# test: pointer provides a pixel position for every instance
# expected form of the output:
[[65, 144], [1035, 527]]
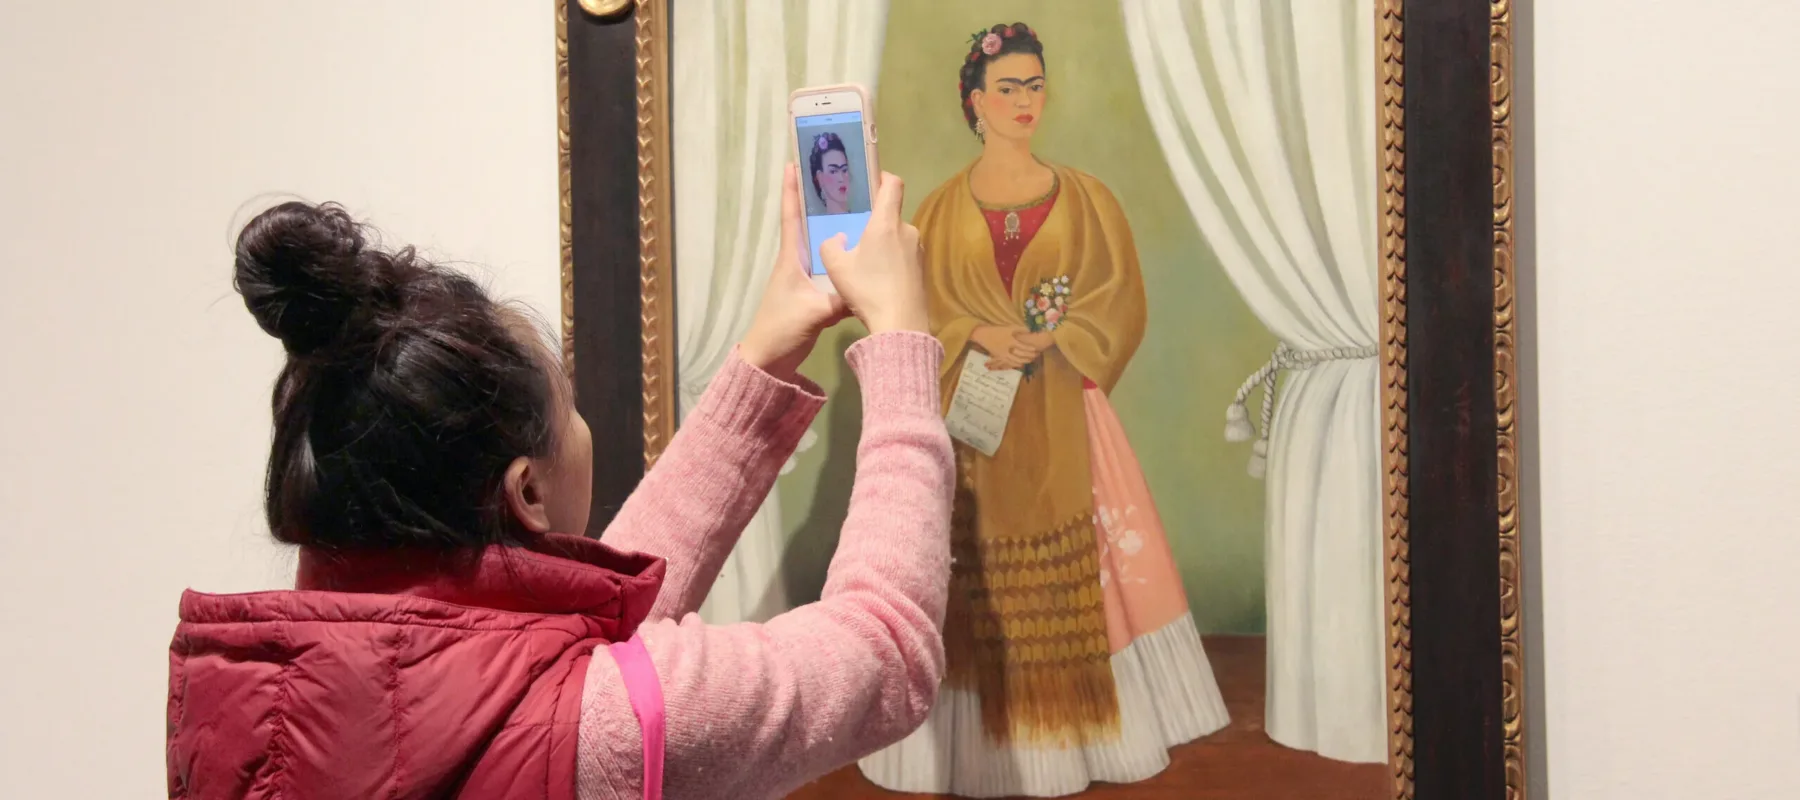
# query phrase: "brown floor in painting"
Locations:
[[1238, 763]]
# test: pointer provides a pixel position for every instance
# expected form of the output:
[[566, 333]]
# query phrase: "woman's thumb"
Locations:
[[832, 251]]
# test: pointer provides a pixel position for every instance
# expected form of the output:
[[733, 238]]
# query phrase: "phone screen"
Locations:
[[834, 179]]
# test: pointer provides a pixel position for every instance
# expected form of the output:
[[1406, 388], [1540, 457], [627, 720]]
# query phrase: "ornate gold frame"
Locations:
[[565, 200], [1390, 97], [565, 204], [1506, 395], [656, 283], [657, 302], [656, 277]]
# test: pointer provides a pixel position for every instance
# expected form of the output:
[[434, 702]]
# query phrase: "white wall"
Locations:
[[1669, 373], [133, 385], [133, 414]]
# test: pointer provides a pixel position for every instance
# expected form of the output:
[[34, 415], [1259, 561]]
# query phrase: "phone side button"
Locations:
[[872, 137]]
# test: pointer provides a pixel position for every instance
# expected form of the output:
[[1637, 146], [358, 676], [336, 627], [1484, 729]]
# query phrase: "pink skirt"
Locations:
[[1137, 570]]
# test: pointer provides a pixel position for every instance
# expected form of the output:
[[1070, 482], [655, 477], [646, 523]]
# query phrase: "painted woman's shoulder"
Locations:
[[939, 196], [1088, 184]]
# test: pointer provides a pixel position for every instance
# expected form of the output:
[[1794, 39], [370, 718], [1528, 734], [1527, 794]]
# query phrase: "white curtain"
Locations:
[[1265, 111], [732, 72]]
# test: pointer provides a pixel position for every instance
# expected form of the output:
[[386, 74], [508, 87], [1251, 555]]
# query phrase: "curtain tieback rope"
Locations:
[[1237, 416]]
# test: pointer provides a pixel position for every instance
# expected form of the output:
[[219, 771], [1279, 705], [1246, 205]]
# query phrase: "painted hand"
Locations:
[[1030, 346], [1002, 346]]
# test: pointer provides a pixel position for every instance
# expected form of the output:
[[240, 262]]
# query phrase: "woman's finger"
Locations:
[[791, 217], [832, 251], [888, 199]]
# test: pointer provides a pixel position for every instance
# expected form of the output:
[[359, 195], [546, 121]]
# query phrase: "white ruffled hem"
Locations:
[[1167, 696]]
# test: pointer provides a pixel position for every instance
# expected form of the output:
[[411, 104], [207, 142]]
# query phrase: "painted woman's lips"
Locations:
[[1024, 119]]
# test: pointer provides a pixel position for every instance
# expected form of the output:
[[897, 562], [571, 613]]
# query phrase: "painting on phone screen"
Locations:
[[834, 179], [1156, 222]]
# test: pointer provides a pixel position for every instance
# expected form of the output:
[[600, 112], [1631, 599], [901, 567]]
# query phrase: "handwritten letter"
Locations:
[[983, 401]]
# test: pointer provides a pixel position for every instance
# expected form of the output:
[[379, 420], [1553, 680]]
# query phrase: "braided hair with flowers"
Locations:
[[822, 144], [985, 47]]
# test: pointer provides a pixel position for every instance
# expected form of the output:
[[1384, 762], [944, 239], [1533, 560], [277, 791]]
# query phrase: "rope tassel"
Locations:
[[1237, 424], [1237, 415]]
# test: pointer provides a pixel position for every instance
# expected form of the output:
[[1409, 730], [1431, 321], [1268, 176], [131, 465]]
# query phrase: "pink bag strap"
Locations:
[[645, 691]]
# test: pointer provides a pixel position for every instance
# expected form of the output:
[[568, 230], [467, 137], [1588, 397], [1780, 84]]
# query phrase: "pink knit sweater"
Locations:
[[756, 711]]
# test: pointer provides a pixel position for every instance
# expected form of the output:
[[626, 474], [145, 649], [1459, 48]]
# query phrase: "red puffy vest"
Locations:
[[400, 674]]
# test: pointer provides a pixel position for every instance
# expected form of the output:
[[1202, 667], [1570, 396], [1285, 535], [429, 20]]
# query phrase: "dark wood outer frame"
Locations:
[[1455, 662]]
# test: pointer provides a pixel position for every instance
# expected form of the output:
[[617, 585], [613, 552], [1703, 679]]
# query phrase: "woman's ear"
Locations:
[[524, 497], [975, 96]]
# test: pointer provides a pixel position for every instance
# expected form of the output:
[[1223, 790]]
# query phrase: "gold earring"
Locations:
[[981, 129]]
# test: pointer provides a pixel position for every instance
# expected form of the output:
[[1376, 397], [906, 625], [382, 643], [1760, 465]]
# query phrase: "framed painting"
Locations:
[[1255, 506]]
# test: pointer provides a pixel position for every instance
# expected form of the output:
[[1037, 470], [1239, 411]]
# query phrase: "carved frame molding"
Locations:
[[1512, 655]]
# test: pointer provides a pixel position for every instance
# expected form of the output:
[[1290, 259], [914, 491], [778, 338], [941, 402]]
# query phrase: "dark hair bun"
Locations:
[[307, 274], [407, 393]]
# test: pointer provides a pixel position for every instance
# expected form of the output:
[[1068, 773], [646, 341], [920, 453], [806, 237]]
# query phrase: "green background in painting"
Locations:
[[1202, 340]]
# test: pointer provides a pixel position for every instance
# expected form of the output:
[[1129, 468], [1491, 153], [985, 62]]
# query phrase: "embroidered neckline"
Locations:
[[1055, 184]]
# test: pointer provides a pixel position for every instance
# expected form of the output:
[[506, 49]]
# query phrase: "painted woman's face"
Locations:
[[834, 179], [1012, 101]]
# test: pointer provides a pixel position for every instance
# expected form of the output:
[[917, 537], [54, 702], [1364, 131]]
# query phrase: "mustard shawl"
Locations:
[[1026, 626]]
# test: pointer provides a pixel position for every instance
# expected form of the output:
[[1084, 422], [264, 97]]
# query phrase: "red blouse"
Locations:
[[1007, 251]]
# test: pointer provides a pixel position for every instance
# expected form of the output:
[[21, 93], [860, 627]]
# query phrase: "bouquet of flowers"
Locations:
[[1045, 307]]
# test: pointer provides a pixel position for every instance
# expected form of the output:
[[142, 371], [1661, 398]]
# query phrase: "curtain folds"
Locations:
[[1265, 112]]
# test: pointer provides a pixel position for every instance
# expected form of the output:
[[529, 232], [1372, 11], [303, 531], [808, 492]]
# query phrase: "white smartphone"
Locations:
[[834, 140]]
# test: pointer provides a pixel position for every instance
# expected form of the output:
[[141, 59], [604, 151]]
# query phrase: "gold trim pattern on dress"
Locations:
[[1025, 627], [656, 277], [1391, 95], [1055, 184], [1512, 658]]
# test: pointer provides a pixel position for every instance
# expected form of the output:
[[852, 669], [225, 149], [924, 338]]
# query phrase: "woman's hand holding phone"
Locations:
[[881, 279], [793, 311]]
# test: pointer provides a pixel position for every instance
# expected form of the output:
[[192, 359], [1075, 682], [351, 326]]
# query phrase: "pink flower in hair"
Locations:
[[990, 44]]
